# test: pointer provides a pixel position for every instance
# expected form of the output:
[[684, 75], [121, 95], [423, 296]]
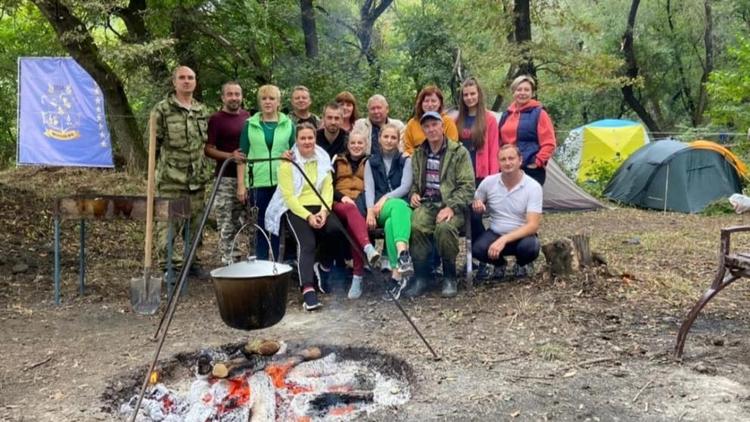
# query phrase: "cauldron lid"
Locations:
[[251, 268]]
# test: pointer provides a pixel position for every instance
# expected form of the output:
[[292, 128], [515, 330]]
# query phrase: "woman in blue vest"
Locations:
[[269, 133], [388, 177], [528, 125]]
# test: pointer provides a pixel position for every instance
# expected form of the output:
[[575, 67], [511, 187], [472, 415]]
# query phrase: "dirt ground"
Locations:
[[592, 347]]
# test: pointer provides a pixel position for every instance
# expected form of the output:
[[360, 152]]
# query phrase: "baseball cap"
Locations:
[[430, 115]]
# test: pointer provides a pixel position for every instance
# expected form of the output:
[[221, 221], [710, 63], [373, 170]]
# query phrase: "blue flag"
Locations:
[[61, 119]]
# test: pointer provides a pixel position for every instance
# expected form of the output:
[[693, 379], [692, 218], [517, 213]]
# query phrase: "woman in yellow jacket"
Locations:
[[430, 98]]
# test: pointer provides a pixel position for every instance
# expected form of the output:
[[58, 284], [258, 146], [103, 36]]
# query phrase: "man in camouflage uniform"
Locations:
[[224, 129], [182, 169]]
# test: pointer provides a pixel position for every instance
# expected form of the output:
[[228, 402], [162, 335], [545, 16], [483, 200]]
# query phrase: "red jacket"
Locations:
[[487, 156], [545, 131]]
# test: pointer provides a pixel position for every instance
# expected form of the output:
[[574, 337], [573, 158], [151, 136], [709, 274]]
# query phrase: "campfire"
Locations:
[[265, 381]]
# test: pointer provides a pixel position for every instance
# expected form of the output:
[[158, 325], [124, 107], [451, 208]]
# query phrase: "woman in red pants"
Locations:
[[349, 205]]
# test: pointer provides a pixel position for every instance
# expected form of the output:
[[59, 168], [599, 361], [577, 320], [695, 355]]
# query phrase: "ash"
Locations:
[[324, 389]]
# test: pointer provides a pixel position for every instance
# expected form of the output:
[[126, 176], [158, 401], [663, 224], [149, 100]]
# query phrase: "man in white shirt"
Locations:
[[513, 201]]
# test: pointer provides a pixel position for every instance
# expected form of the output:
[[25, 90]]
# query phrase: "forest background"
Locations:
[[682, 67]]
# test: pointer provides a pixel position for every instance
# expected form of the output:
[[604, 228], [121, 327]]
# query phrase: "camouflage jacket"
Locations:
[[181, 135]]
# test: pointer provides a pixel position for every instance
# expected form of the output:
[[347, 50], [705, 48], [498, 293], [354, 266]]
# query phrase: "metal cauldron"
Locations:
[[252, 294]]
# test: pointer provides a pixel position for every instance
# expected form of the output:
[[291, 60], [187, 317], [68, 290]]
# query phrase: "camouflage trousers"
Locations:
[[197, 199], [230, 217]]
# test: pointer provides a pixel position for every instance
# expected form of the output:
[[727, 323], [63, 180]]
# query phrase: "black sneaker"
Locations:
[[199, 272], [395, 288], [405, 265], [498, 275], [311, 302], [483, 272], [321, 276], [523, 271]]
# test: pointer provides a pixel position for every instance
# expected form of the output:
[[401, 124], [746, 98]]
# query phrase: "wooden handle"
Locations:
[[150, 188]]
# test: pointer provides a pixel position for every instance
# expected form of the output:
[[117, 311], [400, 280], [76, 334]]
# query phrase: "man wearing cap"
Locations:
[[442, 189]]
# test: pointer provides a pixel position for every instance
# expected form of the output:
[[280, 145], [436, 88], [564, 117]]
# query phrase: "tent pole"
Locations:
[[666, 189]]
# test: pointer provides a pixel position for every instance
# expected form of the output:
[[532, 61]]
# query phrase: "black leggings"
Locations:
[[308, 238]]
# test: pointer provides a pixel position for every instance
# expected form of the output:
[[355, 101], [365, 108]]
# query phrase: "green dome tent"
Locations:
[[671, 175]]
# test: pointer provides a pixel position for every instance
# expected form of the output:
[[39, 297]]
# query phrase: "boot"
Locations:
[[417, 287], [450, 285], [450, 288]]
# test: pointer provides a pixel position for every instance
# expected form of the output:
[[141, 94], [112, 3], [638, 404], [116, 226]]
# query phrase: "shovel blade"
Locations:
[[145, 294]]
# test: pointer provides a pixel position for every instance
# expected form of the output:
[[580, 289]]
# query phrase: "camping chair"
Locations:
[[737, 264]]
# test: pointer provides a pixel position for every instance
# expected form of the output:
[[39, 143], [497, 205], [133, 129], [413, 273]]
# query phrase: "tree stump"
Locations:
[[568, 255]]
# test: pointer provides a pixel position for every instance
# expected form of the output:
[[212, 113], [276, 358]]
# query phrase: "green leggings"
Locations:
[[395, 218]]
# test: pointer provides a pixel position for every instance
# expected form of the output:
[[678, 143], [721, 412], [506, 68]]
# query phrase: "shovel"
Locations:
[[145, 292]]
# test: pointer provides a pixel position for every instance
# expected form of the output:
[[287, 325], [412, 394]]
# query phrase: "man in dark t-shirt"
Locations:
[[224, 129], [331, 137]]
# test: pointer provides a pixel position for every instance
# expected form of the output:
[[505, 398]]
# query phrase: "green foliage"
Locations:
[[599, 174], [718, 207]]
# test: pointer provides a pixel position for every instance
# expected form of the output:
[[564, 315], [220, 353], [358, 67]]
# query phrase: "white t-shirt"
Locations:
[[508, 209]]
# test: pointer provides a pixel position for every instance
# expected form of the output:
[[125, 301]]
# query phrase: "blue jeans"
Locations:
[[525, 250]]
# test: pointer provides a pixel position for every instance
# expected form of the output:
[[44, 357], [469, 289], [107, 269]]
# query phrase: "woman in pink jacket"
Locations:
[[477, 132]]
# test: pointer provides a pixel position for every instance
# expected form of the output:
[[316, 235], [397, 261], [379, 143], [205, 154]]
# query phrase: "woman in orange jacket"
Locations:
[[430, 98]]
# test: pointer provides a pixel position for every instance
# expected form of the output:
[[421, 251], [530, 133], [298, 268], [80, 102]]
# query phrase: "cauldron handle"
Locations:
[[270, 248]]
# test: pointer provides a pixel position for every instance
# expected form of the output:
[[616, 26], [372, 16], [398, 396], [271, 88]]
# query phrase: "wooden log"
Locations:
[[262, 347], [583, 250], [232, 368]]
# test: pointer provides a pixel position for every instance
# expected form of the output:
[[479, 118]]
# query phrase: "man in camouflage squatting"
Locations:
[[224, 128], [182, 169]]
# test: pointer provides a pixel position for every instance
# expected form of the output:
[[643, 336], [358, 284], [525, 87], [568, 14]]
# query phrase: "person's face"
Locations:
[[300, 100], [523, 93], [332, 120], [431, 102], [231, 97], [184, 80], [388, 140], [471, 96], [509, 160], [306, 142], [347, 109], [356, 146], [433, 130], [377, 112], [269, 103]]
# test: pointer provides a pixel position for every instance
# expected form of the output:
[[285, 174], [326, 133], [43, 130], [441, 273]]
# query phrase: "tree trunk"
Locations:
[[138, 33], [73, 35], [184, 33], [708, 65], [308, 28], [631, 71], [687, 95], [368, 14], [522, 37]]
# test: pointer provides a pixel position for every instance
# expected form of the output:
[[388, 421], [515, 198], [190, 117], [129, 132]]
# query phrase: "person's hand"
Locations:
[[347, 200], [496, 248], [322, 217], [478, 206], [238, 156], [242, 194], [444, 215], [312, 220], [287, 155], [372, 221], [379, 205], [415, 200]]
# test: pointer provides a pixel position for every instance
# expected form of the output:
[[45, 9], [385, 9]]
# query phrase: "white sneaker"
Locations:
[[355, 291]]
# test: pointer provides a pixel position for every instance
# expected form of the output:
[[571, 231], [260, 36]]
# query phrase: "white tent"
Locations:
[[562, 194]]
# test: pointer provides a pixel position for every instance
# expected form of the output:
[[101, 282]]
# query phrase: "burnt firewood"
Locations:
[[261, 347], [232, 368]]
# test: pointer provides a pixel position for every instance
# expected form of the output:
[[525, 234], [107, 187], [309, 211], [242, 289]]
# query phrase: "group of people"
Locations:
[[418, 181]]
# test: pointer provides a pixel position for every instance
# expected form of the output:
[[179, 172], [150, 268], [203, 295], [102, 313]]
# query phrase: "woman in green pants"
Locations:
[[388, 178]]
